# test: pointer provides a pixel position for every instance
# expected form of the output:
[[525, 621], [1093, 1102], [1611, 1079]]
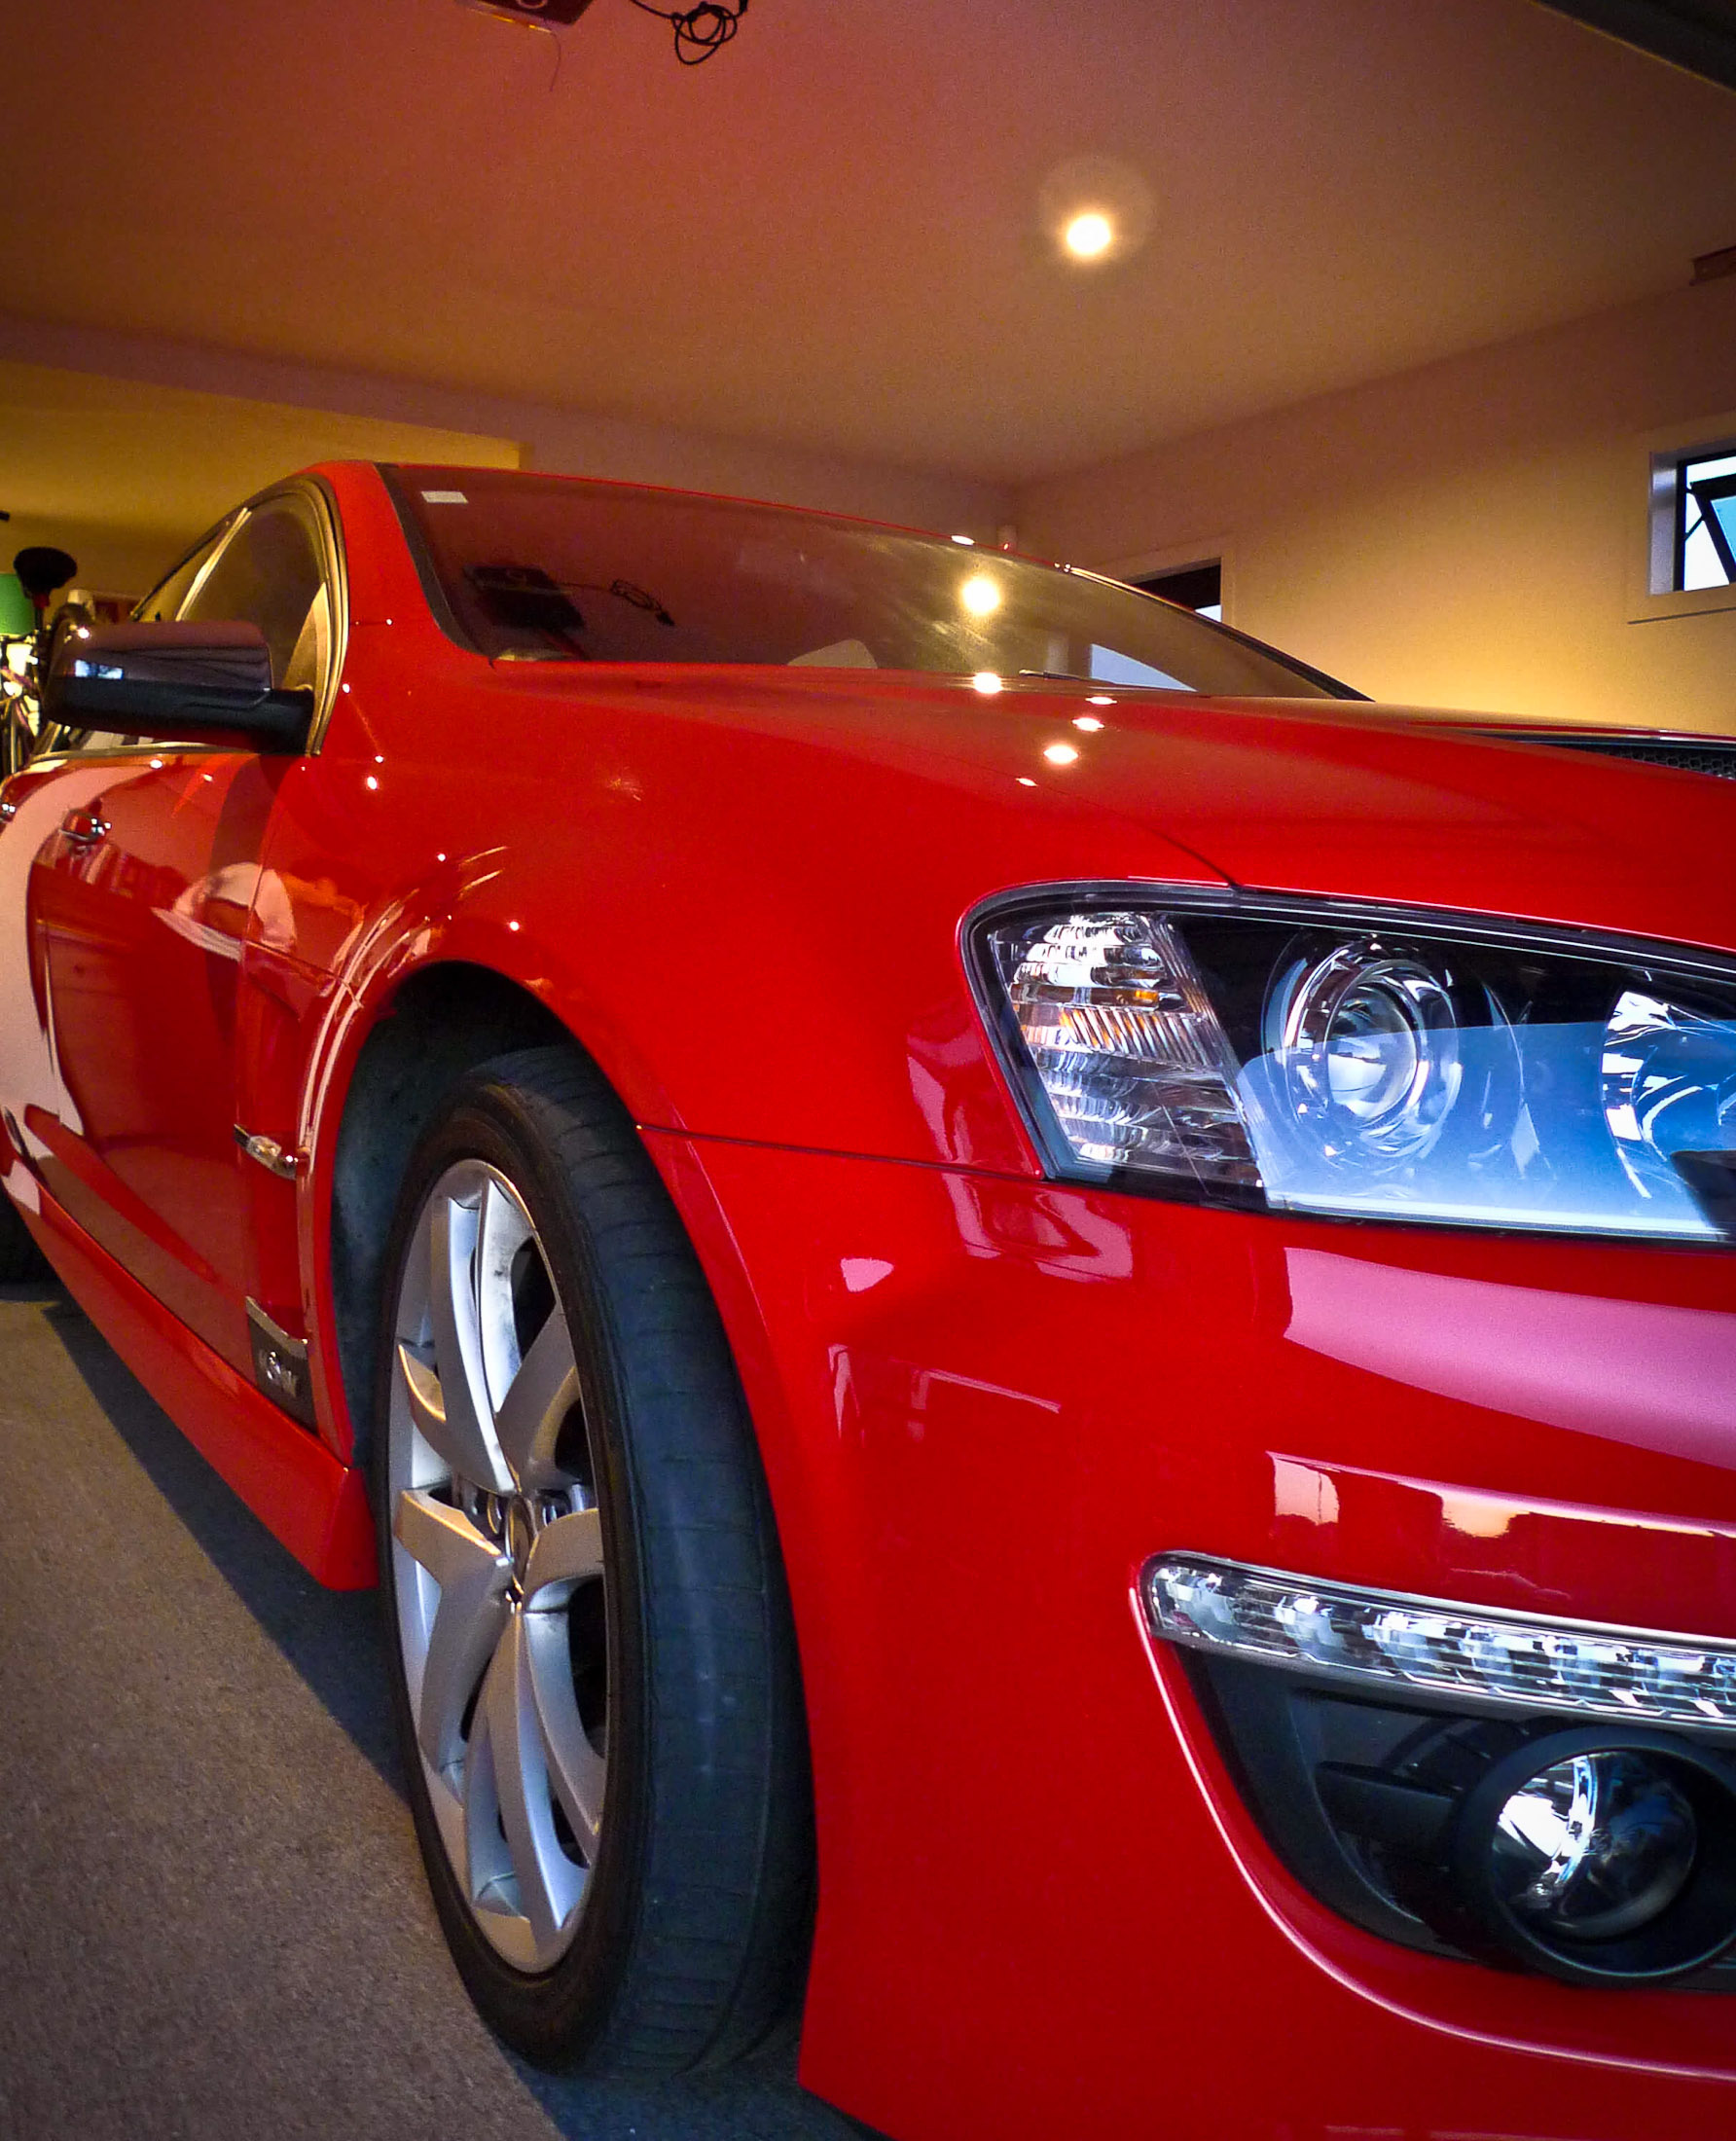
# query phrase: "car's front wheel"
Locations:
[[593, 1663]]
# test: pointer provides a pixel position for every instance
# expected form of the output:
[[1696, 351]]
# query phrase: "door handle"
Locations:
[[84, 828]]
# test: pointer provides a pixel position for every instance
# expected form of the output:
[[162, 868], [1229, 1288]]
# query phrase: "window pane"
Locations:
[[546, 568], [164, 599], [1700, 563], [1109, 668], [268, 577]]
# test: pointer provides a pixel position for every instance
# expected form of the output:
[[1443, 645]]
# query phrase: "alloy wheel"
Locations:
[[499, 1567]]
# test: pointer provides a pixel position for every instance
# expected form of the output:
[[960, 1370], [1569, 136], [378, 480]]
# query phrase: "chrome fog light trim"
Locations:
[[1394, 1641]]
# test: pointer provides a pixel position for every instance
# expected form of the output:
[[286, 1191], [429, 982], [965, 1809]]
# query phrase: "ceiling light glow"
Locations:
[[987, 682], [980, 596], [1059, 754], [1089, 235], [1089, 722], [1093, 210]]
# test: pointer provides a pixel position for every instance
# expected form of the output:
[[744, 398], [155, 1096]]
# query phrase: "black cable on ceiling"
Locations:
[[701, 30]]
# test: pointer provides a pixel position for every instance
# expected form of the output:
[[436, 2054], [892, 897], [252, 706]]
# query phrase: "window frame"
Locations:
[[1655, 547], [1707, 493]]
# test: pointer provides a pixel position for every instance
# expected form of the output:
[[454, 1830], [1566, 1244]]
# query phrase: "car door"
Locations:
[[139, 901]]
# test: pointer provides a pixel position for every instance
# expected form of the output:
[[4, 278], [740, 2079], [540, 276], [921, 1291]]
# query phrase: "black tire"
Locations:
[[692, 1931], [21, 1260]]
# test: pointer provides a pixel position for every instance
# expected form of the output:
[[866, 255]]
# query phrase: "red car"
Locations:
[[1036, 1318]]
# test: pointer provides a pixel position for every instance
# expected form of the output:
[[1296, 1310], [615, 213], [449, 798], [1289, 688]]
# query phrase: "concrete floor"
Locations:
[[212, 1915]]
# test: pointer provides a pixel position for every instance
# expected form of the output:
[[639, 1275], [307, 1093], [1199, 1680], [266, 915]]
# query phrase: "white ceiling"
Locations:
[[830, 235]]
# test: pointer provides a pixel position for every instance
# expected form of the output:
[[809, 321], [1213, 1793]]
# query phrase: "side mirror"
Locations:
[[187, 683]]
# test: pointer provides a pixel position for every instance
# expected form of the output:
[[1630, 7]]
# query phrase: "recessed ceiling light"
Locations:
[[1059, 754], [1089, 235], [969, 541], [1094, 210], [1089, 722]]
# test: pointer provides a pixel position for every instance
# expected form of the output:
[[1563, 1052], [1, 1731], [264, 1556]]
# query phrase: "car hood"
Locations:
[[1338, 798], [1453, 810]]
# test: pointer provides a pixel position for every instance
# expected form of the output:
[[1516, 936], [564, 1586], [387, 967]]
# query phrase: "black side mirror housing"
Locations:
[[177, 683]]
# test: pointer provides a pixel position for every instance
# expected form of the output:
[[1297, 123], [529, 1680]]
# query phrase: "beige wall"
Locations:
[[1459, 535], [124, 474], [362, 412]]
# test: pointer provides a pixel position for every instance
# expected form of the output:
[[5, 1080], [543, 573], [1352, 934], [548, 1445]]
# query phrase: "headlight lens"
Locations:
[[1381, 1068]]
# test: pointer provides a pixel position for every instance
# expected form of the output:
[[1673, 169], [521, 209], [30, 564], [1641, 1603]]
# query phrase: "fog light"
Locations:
[[1607, 1859], [1596, 1845]]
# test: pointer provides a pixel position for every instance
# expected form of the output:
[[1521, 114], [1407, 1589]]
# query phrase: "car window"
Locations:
[[165, 598], [269, 574], [542, 567]]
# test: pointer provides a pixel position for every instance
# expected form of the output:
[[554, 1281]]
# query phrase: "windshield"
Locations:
[[550, 568]]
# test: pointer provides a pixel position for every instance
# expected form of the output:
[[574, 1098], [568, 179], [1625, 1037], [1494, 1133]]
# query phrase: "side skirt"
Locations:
[[316, 1507]]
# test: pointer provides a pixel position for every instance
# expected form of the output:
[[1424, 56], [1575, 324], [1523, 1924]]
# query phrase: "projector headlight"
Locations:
[[1312, 1057]]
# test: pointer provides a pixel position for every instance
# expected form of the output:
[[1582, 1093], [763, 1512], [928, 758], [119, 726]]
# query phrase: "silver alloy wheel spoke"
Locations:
[[465, 1419], [494, 1534], [473, 1576], [536, 1403], [575, 1770], [548, 1884], [566, 1552]]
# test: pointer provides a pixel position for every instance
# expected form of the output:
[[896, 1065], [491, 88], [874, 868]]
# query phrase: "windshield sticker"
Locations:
[[445, 497]]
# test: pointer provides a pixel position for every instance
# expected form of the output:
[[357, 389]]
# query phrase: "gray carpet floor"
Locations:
[[212, 1915]]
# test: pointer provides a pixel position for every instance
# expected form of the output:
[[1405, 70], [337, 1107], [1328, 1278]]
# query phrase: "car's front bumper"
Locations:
[[1045, 1907]]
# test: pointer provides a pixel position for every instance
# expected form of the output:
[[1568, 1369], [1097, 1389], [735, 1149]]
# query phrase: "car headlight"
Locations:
[[1317, 1057]]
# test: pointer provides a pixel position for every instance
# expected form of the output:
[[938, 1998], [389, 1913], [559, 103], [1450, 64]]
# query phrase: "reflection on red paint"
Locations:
[[1649, 1373]]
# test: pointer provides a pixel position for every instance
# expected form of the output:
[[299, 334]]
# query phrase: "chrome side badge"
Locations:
[[280, 1365]]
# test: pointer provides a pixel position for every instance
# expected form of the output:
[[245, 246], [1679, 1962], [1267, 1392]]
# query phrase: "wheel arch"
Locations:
[[439, 1020]]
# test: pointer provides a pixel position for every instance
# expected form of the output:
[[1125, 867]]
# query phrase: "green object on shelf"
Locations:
[[17, 612]]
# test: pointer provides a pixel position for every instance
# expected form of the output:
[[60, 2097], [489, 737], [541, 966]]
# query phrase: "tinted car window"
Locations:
[[546, 568], [165, 598], [269, 574]]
